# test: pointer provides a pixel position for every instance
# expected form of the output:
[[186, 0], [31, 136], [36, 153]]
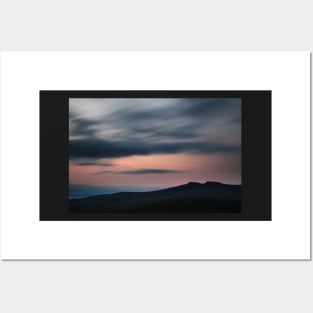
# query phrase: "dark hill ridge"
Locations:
[[189, 198]]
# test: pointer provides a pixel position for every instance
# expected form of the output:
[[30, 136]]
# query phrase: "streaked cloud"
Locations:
[[125, 127], [143, 171], [95, 148], [154, 142], [151, 171]]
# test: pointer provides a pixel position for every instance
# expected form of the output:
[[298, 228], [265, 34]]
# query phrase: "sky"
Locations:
[[144, 144]]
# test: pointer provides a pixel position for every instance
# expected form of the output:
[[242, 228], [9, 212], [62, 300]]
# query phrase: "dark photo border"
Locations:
[[255, 156]]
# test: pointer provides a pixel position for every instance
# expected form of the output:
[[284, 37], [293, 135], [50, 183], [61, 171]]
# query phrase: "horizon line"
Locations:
[[158, 188]]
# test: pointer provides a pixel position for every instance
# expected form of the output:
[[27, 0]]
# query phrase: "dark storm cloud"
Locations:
[[91, 163], [81, 126], [151, 131], [182, 118], [141, 171], [187, 108], [102, 172], [96, 148], [198, 108], [109, 128], [150, 171]]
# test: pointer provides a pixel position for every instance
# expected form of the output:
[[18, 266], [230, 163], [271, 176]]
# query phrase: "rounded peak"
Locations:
[[192, 183]]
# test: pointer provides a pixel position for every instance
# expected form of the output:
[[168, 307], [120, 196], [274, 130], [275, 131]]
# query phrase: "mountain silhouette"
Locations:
[[193, 197]]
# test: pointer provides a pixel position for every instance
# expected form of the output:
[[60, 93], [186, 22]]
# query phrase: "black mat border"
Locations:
[[256, 155]]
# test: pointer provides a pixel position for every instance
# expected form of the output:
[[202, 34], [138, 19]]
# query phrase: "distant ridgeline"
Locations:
[[193, 197]]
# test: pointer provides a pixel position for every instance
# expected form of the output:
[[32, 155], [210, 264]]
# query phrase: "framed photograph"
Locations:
[[155, 155]]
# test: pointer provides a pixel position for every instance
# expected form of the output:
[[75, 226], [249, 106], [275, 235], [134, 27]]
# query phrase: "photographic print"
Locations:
[[177, 139], [154, 156]]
